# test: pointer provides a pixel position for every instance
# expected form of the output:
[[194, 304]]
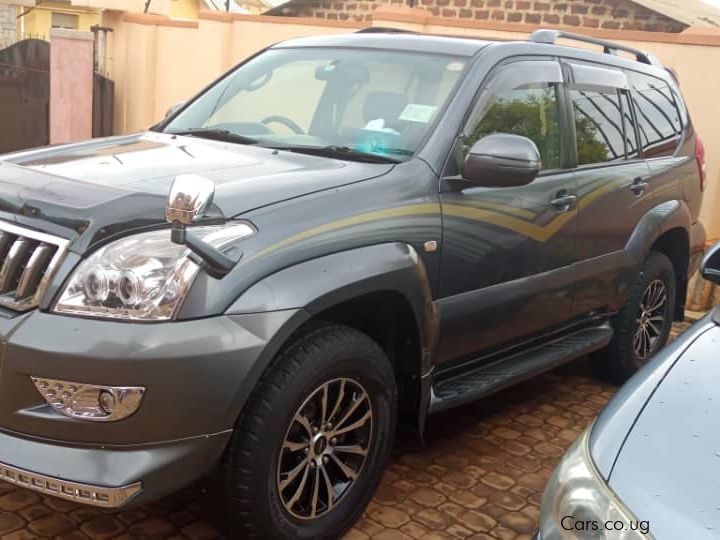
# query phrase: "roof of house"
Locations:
[[690, 12]]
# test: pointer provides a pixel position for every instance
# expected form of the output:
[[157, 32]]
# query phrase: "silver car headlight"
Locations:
[[143, 277], [578, 504]]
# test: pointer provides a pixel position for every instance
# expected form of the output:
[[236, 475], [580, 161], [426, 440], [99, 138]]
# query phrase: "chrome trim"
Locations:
[[8, 299], [11, 264], [105, 497], [82, 401], [190, 196], [30, 278]]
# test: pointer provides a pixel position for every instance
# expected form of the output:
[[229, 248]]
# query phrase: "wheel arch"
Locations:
[[666, 228], [381, 290]]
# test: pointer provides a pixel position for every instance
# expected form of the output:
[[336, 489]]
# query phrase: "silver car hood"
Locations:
[[668, 470]]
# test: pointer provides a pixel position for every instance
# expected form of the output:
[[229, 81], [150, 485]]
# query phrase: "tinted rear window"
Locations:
[[657, 115], [598, 126]]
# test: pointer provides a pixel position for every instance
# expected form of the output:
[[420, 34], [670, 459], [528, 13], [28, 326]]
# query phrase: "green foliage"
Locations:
[[535, 116], [591, 146]]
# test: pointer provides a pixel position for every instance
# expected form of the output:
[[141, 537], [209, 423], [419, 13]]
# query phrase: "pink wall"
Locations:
[[71, 85]]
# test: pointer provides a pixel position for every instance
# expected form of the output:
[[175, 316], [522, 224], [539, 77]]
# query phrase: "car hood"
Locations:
[[666, 471], [112, 184]]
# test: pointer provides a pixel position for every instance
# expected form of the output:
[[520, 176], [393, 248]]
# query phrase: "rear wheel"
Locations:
[[643, 325], [310, 448]]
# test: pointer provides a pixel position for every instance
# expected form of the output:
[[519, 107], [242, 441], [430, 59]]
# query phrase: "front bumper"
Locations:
[[107, 477], [197, 376]]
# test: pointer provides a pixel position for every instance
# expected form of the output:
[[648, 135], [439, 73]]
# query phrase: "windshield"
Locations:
[[346, 101]]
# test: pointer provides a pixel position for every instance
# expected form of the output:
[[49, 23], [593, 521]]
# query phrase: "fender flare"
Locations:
[[656, 222], [659, 220], [308, 288]]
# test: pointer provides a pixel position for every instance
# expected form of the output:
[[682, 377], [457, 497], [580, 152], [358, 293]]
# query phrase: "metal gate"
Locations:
[[24, 95], [103, 95]]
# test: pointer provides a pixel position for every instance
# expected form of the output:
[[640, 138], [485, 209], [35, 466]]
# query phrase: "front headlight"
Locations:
[[143, 277], [578, 504]]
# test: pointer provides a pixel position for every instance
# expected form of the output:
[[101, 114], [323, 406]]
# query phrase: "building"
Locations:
[[647, 15], [7, 24], [36, 17]]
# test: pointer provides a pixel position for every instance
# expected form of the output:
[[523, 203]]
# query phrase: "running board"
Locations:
[[487, 379]]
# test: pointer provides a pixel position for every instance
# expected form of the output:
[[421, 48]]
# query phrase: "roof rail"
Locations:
[[383, 30], [551, 36]]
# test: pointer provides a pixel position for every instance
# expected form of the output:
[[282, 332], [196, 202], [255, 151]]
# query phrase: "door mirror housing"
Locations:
[[502, 160], [189, 199], [710, 266]]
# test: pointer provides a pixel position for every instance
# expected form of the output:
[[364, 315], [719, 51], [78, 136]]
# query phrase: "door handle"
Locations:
[[638, 187], [564, 202]]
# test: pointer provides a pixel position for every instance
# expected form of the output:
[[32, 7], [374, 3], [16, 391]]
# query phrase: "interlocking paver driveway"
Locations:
[[481, 476]]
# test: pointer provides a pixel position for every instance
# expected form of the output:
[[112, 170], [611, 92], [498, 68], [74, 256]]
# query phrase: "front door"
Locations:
[[506, 251]]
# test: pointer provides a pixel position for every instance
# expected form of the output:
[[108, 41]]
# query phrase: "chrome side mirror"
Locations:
[[189, 198], [710, 266]]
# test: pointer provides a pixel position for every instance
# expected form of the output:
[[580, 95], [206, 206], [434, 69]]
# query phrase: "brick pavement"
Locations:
[[481, 476]]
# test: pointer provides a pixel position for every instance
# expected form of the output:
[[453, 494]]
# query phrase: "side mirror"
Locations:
[[175, 108], [502, 160], [189, 198], [710, 266]]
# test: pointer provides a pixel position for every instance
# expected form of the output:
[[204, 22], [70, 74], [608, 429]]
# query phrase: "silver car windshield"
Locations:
[[357, 101]]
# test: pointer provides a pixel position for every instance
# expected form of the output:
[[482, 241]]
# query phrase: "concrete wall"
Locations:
[[610, 14], [7, 24], [71, 85], [157, 62]]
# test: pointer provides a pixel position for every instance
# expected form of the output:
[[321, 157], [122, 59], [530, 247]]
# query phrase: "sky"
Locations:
[[713, 3]]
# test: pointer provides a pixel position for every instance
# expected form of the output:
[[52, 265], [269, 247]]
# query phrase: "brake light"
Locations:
[[700, 156]]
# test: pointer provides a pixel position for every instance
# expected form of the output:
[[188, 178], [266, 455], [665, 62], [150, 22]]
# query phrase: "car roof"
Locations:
[[399, 40], [393, 40]]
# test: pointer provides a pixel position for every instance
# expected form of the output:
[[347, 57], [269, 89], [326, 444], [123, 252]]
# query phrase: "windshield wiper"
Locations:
[[216, 134], [338, 152]]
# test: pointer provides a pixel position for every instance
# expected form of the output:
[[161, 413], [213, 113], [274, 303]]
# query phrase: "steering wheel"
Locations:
[[285, 121]]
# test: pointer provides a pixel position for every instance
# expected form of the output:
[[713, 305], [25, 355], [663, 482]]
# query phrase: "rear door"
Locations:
[[660, 129], [506, 251], [613, 182]]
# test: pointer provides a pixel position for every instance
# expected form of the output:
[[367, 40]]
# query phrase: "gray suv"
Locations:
[[341, 234]]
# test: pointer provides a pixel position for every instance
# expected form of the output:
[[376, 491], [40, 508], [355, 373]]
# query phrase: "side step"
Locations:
[[487, 379]]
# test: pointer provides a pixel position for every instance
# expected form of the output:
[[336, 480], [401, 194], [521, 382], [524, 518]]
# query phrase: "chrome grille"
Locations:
[[27, 261]]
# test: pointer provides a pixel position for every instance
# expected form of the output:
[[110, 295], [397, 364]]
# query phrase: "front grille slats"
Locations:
[[34, 270], [6, 241], [13, 264], [27, 261]]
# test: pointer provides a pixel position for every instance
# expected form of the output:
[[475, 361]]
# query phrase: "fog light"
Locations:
[[89, 401]]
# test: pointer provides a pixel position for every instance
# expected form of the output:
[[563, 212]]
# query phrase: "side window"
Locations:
[[530, 111], [629, 123], [598, 126], [657, 115]]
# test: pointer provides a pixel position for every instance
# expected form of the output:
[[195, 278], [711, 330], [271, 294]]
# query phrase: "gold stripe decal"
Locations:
[[388, 213], [499, 215]]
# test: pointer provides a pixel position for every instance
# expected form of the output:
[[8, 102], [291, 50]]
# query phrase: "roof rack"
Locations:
[[383, 30], [551, 36]]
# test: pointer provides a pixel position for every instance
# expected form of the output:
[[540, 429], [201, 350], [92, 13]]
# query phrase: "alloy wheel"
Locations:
[[325, 448], [651, 319]]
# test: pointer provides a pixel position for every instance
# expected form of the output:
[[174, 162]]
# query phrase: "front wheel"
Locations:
[[643, 325], [310, 448]]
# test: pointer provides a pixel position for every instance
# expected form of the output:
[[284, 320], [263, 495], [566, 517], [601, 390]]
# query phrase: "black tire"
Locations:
[[246, 494], [620, 359]]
